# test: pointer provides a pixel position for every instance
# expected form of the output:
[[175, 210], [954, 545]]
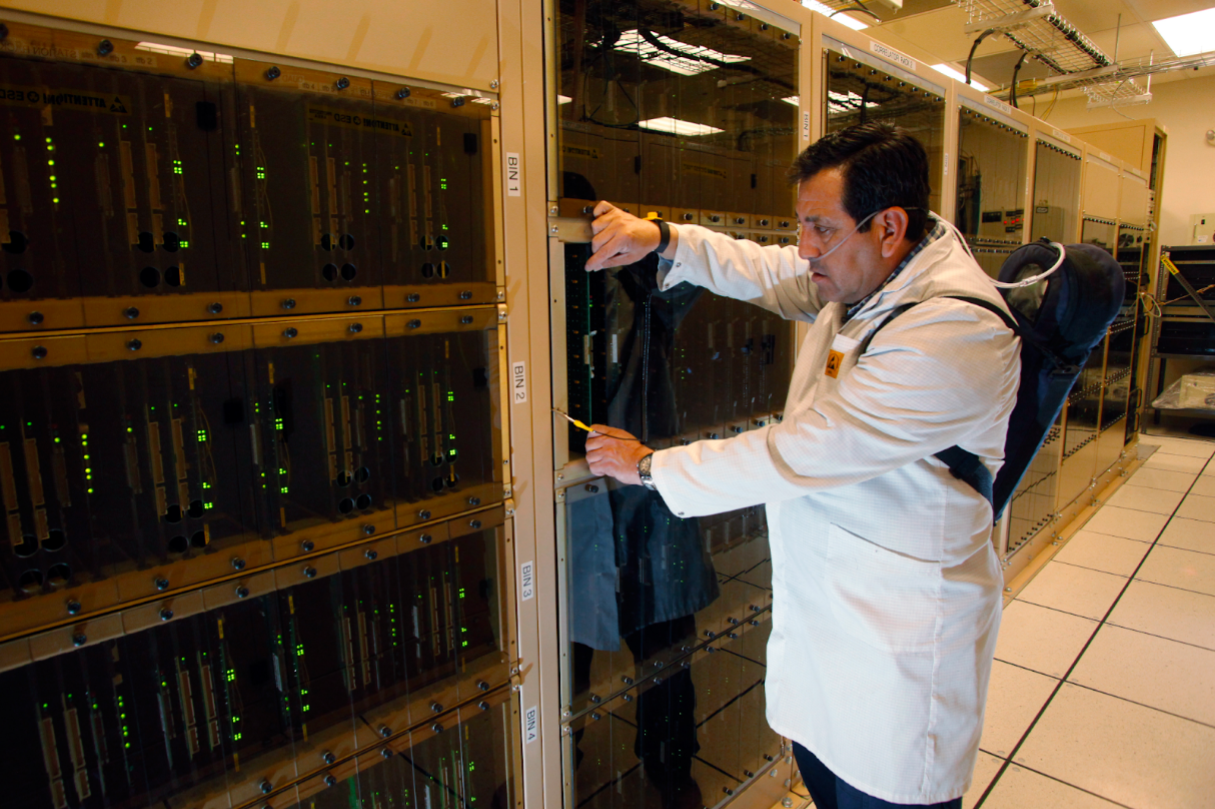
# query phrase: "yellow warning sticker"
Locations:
[[85, 100], [834, 359], [352, 120]]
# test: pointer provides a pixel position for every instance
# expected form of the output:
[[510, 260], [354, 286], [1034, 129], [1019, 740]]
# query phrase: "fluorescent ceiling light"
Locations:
[[173, 50], [954, 73], [563, 99], [827, 11], [846, 102], [633, 42], [794, 100], [674, 126], [1189, 34]]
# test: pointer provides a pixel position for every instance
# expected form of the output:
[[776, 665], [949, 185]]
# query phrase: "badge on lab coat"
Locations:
[[834, 358]]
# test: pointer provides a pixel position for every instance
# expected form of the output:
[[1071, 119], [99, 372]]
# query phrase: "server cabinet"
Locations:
[[1056, 191]]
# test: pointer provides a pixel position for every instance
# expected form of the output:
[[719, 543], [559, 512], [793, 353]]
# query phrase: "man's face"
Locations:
[[857, 267]]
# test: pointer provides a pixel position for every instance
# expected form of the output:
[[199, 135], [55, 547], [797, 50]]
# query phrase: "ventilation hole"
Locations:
[[173, 276], [444, 269], [196, 509], [346, 242], [362, 474], [58, 575], [452, 480], [172, 241], [346, 506], [20, 281], [179, 544], [428, 243], [198, 539], [327, 242], [330, 271], [343, 478], [146, 242], [30, 581], [27, 547], [349, 271], [437, 459], [55, 540], [437, 484], [149, 277], [364, 502], [173, 514], [428, 270], [16, 242]]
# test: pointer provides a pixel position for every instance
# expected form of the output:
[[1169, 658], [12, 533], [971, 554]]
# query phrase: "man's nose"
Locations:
[[807, 250]]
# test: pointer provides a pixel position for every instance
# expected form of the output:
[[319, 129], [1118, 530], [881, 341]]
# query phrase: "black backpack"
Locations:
[[1060, 320]]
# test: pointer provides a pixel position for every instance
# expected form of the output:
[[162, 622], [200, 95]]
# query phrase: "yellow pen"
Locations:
[[572, 420]]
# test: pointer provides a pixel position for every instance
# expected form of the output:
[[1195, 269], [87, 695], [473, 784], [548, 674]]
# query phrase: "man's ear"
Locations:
[[892, 227]]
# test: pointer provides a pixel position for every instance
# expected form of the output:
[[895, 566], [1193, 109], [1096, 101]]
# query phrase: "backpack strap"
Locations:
[[962, 464]]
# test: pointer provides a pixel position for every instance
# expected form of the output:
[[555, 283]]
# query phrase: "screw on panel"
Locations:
[[35, 318], [307, 546], [265, 786], [493, 85], [165, 614], [371, 555], [342, 83], [413, 297], [330, 781], [242, 591], [134, 345], [273, 72], [288, 303], [457, 102], [217, 338], [74, 607], [105, 47], [328, 757], [385, 753], [215, 308], [385, 731], [291, 332], [193, 61], [483, 705], [355, 328], [436, 707], [474, 524], [39, 352], [414, 324], [423, 515], [402, 94], [238, 563], [354, 300], [310, 572], [130, 313], [436, 727], [481, 684], [494, 106], [161, 583], [79, 639], [368, 529], [466, 295]]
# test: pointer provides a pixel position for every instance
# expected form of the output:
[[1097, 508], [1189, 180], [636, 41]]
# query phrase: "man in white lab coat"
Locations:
[[886, 588]]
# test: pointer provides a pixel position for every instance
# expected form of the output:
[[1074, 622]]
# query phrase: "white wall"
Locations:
[[1187, 110]]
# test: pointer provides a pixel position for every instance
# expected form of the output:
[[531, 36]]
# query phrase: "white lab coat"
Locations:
[[886, 587]]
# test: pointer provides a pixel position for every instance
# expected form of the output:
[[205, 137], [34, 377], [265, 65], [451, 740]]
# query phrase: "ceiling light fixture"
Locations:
[[827, 11], [674, 126], [1189, 34], [695, 62], [954, 73]]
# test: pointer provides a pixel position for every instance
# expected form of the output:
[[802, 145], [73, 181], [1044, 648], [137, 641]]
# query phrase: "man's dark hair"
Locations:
[[883, 167]]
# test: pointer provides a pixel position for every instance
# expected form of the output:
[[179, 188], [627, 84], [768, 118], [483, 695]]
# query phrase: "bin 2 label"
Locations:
[[518, 383]]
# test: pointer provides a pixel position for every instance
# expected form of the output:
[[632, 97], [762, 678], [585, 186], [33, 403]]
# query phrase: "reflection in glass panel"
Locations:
[[1056, 193], [1099, 232], [857, 93], [991, 182], [1129, 252]]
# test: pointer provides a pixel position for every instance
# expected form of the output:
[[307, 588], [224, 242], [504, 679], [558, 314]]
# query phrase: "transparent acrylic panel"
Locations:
[[1098, 232], [992, 165], [1033, 503], [1132, 241], [857, 93], [1056, 193]]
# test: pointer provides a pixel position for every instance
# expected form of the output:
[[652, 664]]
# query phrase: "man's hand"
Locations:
[[620, 238], [615, 453]]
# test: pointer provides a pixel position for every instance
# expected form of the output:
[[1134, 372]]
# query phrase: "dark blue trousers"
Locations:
[[831, 792]]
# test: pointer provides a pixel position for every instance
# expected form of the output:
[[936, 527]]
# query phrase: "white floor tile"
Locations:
[[1014, 698], [1162, 479], [1182, 446], [1188, 570], [986, 767], [1175, 463], [1019, 788], [1144, 498], [1100, 552], [1167, 612], [1193, 535], [1204, 486], [1128, 523], [1198, 507], [1045, 640], [1088, 593], [1124, 752], [1159, 673]]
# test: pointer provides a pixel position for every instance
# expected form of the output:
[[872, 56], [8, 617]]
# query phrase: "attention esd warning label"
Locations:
[[321, 115], [85, 100]]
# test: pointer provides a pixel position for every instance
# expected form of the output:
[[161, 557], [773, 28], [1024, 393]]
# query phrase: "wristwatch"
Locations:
[[643, 470], [664, 231]]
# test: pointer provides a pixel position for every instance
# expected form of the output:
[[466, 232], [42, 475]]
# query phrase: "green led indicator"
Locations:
[[101, 145]]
